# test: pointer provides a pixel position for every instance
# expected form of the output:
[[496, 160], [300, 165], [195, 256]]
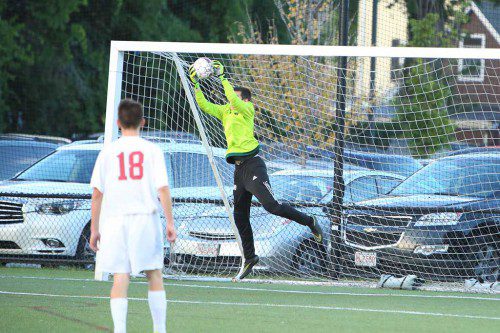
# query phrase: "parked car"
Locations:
[[403, 165], [486, 149], [35, 137], [208, 242], [18, 154], [442, 223], [274, 165], [45, 210]]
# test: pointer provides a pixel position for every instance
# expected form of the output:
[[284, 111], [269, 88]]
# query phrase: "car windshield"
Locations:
[[404, 168], [300, 188], [76, 166], [467, 177], [73, 166], [194, 170], [15, 158]]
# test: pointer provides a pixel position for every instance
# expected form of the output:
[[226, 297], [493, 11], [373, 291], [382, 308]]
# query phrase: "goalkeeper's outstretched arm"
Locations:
[[205, 106], [233, 98]]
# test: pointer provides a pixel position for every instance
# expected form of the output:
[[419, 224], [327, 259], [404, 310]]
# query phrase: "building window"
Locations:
[[472, 69]]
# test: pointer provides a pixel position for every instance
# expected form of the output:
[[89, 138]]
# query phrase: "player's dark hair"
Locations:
[[245, 92], [130, 113]]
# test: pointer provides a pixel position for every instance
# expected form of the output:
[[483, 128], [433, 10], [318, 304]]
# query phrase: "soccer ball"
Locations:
[[203, 67]]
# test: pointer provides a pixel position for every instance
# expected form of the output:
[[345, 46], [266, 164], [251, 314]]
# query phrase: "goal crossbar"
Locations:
[[307, 50]]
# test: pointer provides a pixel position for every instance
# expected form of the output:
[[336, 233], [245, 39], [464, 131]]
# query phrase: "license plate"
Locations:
[[208, 250], [365, 259]]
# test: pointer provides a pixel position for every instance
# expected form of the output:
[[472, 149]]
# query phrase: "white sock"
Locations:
[[119, 308], [158, 306]]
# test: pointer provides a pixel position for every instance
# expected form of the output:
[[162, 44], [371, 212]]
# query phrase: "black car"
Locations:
[[18, 154], [441, 223]]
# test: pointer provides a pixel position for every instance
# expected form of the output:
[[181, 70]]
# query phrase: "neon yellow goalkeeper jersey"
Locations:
[[237, 119]]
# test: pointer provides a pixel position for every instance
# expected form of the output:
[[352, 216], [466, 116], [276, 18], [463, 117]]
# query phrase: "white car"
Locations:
[[207, 242], [45, 210]]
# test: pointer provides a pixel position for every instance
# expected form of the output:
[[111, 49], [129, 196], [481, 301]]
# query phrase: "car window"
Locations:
[[15, 159], [363, 188], [297, 188], [74, 166], [194, 170], [386, 184], [467, 177]]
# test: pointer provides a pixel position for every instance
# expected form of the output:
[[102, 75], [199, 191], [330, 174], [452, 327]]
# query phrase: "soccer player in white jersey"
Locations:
[[126, 232]]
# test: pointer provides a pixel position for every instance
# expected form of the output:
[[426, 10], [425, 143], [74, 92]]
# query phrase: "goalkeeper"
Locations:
[[250, 176]]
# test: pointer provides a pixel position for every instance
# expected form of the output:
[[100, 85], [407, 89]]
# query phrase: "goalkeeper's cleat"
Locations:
[[247, 269], [316, 230]]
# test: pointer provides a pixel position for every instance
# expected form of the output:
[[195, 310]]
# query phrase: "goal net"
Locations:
[[407, 149]]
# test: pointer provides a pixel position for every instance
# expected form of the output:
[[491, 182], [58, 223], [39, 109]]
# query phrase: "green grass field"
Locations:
[[66, 300]]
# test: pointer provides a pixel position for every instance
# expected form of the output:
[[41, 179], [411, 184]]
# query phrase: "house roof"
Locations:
[[492, 12], [489, 15]]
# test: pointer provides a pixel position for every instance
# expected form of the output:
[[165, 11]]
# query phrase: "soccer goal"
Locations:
[[400, 145]]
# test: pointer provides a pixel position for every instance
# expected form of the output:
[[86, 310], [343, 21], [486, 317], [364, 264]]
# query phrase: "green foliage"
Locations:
[[422, 111], [435, 22], [374, 134], [425, 34], [54, 53]]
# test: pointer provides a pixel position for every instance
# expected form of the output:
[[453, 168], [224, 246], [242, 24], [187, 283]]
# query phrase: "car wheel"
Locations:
[[83, 251], [310, 259], [486, 259]]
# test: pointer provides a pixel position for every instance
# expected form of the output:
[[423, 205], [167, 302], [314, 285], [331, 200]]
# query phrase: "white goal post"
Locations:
[[417, 110]]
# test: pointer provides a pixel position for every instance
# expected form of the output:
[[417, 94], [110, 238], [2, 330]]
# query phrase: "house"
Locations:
[[476, 109]]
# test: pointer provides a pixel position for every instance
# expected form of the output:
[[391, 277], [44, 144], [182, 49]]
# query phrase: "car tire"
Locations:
[[310, 259], [83, 250], [485, 258]]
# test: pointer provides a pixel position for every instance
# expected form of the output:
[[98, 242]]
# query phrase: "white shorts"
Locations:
[[130, 244]]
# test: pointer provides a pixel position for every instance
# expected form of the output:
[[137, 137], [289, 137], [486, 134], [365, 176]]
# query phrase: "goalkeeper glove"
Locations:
[[194, 77], [218, 69]]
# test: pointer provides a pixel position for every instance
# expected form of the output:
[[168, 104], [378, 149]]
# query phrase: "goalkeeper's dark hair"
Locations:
[[245, 92], [130, 113]]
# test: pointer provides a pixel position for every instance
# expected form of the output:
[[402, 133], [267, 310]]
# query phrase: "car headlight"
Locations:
[[438, 219], [58, 207]]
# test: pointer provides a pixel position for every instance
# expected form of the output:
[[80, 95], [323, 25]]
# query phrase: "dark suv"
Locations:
[[441, 223], [18, 154], [400, 164]]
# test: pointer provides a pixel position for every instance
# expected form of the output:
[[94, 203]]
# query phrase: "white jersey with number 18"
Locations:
[[129, 173]]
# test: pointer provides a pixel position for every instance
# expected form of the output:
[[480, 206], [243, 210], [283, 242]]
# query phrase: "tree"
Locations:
[[12, 55], [295, 95], [423, 98], [62, 53], [54, 53], [422, 111], [450, 17]]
